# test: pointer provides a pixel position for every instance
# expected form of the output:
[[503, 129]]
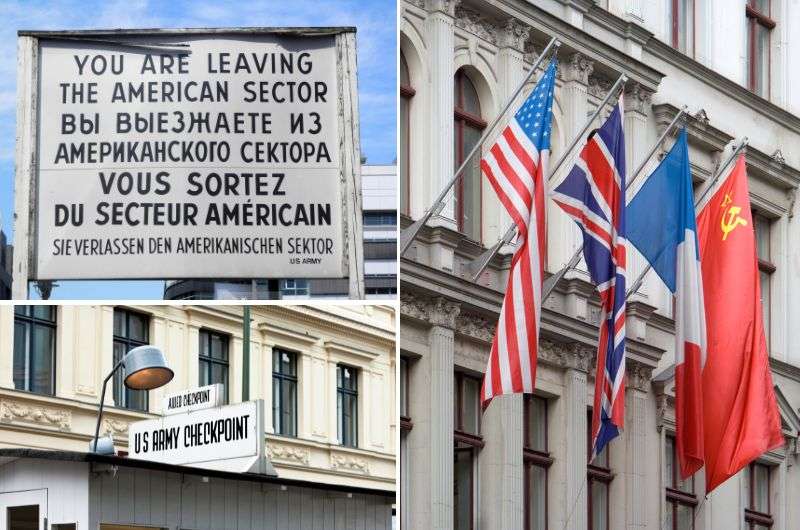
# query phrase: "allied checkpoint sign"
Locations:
[[189, 154], [229, 438]]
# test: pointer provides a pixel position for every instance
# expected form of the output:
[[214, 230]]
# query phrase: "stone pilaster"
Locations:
[[440, 40], [575, 456], [500, 465], [430, 443], [575, 71]]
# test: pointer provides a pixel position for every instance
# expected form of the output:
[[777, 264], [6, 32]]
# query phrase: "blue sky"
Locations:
[[375, 21]]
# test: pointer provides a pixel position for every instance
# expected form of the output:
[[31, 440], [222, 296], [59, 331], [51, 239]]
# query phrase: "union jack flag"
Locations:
[[593, 194], [515, 166]]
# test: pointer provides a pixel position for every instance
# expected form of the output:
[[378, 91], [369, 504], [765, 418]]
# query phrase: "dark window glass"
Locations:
[[766, 267], [284, 392], [131, 329], [537, 460], [467, 442], [599, 482], [468, 128], [380, 218], [757, 515], [214, 362], [681, 499], [35, 348], [759, 29], [347, 404], [463, 487]]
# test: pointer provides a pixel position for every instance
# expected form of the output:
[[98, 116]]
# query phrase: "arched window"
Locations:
[[468, 127], [406, 93]]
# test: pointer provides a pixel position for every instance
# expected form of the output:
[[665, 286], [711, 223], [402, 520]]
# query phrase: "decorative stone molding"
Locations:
[[115, 428], [637, 98], [436, 311], [531, 53], [476, 326], [15, 412], [285, 453], [514, 34], [778, 158], [474, 22], [577, 68], [639, 375], [791, 196], [349, 463], [445, 6], [702, 117], [598, 86], [566, 355]]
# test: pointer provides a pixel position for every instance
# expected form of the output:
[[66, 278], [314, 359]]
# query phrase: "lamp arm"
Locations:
[[102, 403]]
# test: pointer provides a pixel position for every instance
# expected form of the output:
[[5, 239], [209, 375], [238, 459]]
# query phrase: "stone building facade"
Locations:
[[53, 361], [523, 462]]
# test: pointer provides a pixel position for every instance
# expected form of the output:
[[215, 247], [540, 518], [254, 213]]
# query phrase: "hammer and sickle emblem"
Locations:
[[730, 218]]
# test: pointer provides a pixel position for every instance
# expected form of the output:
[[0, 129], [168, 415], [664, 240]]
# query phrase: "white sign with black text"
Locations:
[[204, 397], [229, 438], [194, 156]]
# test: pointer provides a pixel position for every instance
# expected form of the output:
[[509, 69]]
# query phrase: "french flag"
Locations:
[[662, 226]]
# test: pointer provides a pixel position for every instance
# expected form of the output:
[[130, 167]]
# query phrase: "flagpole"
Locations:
[[408, 235], [477, 266], [550, 283], [722, 169]]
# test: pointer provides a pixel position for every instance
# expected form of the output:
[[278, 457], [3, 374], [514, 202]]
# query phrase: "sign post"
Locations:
[[175, 154]]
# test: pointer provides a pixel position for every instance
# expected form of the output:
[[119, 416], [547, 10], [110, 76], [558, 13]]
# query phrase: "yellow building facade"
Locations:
[[55, 407]]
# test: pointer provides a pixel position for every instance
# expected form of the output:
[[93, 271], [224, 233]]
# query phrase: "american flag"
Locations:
[[515, 166], [593, 194]]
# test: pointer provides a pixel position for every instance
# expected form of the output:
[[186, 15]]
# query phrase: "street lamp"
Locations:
[[145, 369]]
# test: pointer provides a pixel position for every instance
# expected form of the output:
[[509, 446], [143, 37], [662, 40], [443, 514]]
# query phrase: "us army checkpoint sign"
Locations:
[[188, 154]]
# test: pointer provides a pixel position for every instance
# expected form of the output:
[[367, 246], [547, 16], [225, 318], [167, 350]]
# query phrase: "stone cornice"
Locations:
[[757, 104], [434, 310], [608, 57], [787, 370], [333, 323]]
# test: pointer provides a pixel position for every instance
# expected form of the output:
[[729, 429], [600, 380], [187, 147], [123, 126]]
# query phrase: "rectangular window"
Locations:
[[347, 404], [681, 16], [294, 288], [405, 427], [758, 30], [599, 481], [284, 392], [468, 441], [537, 460], [766, 269], [35, 348], [681, 499], [380, 218], [757, 515], [131, 329], [214, 360], [405, 417]]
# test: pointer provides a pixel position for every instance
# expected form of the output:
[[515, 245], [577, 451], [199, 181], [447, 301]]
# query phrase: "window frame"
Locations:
[[673, 494], [596, 473], [289, 379], [753, 517], [31, 322], [211, 361], [405, 419], [535, 458], [353, 394], [129, 345], [755, 18], [765, 266], [463, 441], [407, 93], [461, 119], [675, 27]]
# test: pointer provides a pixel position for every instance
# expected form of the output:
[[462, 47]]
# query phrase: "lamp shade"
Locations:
[[146, 368]]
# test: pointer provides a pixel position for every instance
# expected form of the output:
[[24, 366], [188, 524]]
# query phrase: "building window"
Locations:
[[380, 218], [284, 392], [468, 128], [759, 27], [214, 360], [294, 287], [468, 441], [681, 16], [35, 348], [347, 404], [757, 483], [681, 499], [598, 483], [766, 268], [130, 331], [406, 93], [537, 459], [405, 417]]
